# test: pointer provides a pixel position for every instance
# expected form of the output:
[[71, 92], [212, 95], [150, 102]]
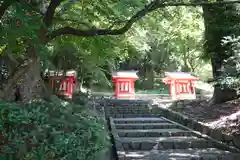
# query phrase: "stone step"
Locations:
[[126, 115], [130, 110], [146, 126], [139, 120], [153, 133], [182, 154], [148, 143]]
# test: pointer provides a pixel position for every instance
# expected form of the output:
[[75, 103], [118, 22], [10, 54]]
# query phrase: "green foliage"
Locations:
[[50, 130], [99, 13], [231, 66], [20, 26], [91, 57], [167, 40], [157, 42]]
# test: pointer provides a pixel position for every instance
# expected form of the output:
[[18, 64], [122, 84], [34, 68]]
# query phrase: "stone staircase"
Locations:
[[150, 138], [140, 133]]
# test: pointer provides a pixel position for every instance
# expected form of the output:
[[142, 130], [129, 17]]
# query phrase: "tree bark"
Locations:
[[220, 21], [31, 84], [6, 94], [26, 82]]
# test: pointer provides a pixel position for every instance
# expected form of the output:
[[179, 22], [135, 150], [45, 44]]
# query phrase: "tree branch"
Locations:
[[156, 4], [48, 18], [96, 32], [195, 4], [54, 18]]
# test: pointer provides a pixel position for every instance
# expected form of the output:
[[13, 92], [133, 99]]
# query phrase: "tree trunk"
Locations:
[[7, 92], [26, 83], [31, 85], [185, 67], [220, 21], [149, 79], [148, 82], [222, 95]]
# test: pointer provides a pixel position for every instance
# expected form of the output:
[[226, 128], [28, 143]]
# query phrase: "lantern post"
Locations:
[[62, 83], [124, 84], [181, 85]]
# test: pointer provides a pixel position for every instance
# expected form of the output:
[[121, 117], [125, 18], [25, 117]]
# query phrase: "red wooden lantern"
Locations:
[[181, 85], [124, 84], [63, 83]]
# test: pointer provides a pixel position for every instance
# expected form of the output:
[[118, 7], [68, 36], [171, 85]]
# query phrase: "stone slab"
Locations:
[[182, 154], [146, 126], [153, 132], [139, 120], [149, 143], [159, 139], [124, 115]]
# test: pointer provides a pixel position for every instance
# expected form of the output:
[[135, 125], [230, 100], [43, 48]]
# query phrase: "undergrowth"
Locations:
[[55, 130]]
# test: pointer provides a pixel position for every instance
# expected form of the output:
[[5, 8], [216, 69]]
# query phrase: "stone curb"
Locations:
[[118, 144], [222, 140]]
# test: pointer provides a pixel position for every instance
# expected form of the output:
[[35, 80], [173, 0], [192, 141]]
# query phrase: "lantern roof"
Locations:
[[125, 74], [180, 75], [61, 73]]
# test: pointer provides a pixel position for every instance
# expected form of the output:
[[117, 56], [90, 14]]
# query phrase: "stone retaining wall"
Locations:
[[119, 148], [198, 126]]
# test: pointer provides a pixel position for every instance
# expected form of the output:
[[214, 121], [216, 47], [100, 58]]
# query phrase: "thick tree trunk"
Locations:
[[26, 83], [9, 87], [29, 73], [223, 95], [149, 79], [220, 21], [31, 85]]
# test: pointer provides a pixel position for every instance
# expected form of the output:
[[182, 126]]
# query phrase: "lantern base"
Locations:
[[125, 96], [64, 95], [184, 97]]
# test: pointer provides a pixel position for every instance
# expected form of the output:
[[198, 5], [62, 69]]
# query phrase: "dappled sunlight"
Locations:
[[224, 116], [221, 122], [177, 154]]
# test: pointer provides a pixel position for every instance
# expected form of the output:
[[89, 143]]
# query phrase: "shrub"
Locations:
[[51, 130]]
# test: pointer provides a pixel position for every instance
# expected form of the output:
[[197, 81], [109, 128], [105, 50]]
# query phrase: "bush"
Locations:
[[51, 130]]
